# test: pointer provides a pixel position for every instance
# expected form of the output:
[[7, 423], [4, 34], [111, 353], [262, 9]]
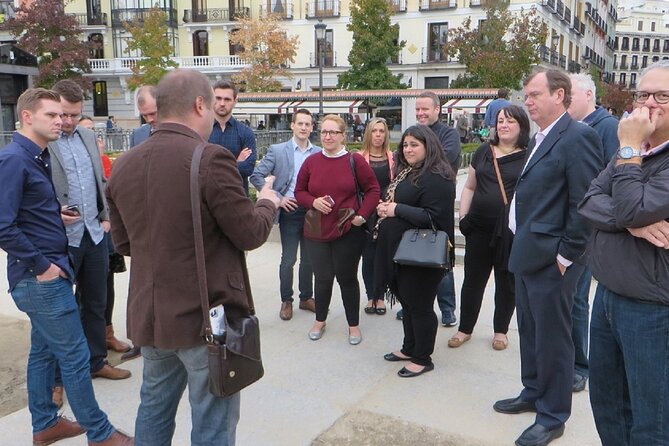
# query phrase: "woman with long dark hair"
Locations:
[[376, 151], [421, 195], [492, 176]]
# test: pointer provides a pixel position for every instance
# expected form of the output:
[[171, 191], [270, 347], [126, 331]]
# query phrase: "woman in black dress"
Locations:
[[421, 195], [376, 151], [484, 218]]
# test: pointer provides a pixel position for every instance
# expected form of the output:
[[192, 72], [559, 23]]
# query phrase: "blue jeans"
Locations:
[[446, 293], [166, 374], [291, 226], [629, 370], [580, 315], [58, 338]]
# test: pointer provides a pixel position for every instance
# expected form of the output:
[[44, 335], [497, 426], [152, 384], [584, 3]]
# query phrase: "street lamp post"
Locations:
[[320, 38]]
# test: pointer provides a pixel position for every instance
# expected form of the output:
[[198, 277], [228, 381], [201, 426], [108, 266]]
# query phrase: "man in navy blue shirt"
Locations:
[[40, 278], [232, 134]]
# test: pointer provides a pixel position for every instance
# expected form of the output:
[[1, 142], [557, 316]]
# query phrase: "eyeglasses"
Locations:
[[661, 97], [331, 133]]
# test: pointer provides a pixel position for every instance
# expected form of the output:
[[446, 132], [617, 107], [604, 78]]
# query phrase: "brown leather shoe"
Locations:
[[57, 396], [115, 344], [286, 312], [110, 372], [63, 428], [308, 304], [133, 353], [118, 438]]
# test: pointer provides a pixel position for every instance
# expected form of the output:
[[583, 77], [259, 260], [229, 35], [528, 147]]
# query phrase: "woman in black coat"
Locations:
[[421, 195]]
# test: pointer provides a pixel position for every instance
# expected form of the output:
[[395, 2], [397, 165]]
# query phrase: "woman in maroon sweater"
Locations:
[[327, 187]]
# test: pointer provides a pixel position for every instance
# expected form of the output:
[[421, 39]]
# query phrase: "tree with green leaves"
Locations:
[[150, 37], [502, 50], [43, 29], [375, 44], [267, 49]]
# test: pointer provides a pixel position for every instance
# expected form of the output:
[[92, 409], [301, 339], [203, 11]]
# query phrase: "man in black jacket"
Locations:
[[628, 204]]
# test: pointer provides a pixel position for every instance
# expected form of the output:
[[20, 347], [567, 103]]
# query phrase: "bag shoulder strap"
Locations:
[[499, 175], [355, 179]]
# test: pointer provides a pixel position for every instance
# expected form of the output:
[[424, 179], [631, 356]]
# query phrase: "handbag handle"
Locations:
[[199, 243], [499, 176]]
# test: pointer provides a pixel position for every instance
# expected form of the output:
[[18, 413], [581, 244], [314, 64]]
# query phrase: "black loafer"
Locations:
[[514, 405], [538, 435], [370, 310], [406, 373], [380, 311], [392, 357], [579, 383]]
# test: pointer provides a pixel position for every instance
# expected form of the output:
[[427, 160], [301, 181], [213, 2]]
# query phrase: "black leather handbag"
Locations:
[[234, 360], [428, 248]]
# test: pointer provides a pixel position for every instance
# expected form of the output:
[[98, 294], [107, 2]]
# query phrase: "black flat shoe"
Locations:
[[370, 310], [406, 373], [381, 311], [538, 435], [392, 357]]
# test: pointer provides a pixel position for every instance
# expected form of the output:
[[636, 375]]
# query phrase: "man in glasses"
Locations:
[[628, 205], [78, 180], [283, 161]]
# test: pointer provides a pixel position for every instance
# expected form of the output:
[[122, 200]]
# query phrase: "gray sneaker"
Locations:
[[448, 319]]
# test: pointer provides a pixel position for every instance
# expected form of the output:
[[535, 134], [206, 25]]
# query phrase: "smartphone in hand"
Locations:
[[330, 200], [71, 210]]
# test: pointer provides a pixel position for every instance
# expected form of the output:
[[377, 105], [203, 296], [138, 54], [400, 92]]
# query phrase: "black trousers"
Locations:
[[417, 289], [544, 300], [478, 265], [337, 259]]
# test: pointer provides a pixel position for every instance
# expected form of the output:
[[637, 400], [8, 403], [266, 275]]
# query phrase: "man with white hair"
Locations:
[[583, 108]]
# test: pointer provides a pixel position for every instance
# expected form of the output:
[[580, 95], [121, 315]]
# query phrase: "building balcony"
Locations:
[[85, 20], [656, 49], [632, 85], [567, 15], [398, 5], [625, 47], [646, 48], [214, 15], [574, 67], [483, 3], [635, 47], [644, 64], [559, 8], [563, 62], [205, 64], [434, 55], [623, 65], [329, 59], [120, 16], [433, 5], [634, 66], [665, 49], [283, 9], [317, 9], [550, 4]]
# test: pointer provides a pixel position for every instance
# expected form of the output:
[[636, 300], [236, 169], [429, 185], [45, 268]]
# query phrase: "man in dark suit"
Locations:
[[150, 209], [547, 253], [146, 104], [283, 161]]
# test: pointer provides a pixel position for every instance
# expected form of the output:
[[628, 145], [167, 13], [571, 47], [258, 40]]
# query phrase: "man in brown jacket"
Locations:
[[149, 201]]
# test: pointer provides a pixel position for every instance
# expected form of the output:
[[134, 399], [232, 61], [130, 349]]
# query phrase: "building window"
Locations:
[[200, 43], [396, 39], [626, 44], [97, 48], [613, 78], [644, 62], [432, 83], [652, 26], [633, 80], [235, 49], [623, 78], [100, 106], [640, 26], [635, 44], [438, 36]]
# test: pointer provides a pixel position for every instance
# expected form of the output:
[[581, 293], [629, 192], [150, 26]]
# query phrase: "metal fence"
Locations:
[[119, 140]]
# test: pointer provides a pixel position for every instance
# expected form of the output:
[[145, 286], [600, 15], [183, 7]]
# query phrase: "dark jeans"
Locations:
[[580, 315], [291, 228], [91, 264], [478, 265], [544, 300], [416, 288], [368, 254], [629, 364], [446, 293], [338, 258]]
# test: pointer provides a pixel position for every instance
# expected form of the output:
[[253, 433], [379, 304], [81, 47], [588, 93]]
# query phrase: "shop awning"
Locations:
[[259, 108], [472, 105]]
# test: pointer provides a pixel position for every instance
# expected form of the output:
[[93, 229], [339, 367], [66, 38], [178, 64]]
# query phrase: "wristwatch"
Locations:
[[627, 152]]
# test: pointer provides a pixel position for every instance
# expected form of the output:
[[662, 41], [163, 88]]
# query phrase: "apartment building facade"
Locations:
[[581, 34], [642, 37]]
